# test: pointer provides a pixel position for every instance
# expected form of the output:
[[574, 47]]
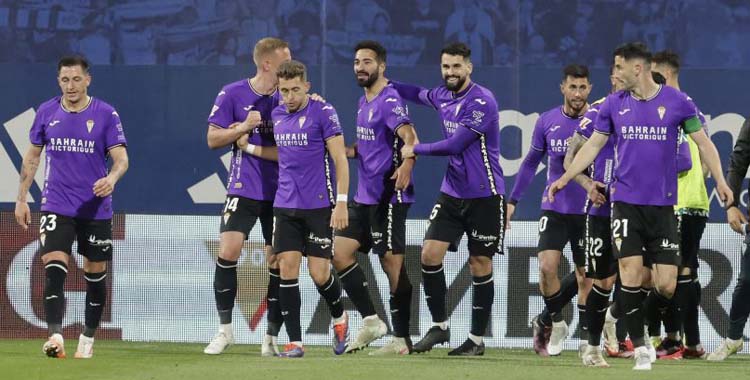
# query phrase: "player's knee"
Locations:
[[342, 261], [547, 270], [94, 266], [272, 260], [55, 256], [480, 265], [319, 275], [666, 289], [430, 257]]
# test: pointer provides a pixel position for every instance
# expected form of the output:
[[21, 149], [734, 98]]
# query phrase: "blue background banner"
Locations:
[[162, 64]]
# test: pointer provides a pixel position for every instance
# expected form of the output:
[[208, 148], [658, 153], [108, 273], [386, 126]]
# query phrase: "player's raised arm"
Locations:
[[413, 93], [28, 171], [337, 150]]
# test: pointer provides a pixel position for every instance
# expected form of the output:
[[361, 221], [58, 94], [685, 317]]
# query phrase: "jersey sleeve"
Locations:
[[586, 126], [222, 112], [414, 93], [397, 114], [330, 124], [538, 140], [37, 134], [603, 122], [479, 115], [114, 135]]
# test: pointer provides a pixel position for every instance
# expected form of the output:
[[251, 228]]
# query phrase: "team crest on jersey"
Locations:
[[369, 116], [302, 121], [89, 125], [662, 110]]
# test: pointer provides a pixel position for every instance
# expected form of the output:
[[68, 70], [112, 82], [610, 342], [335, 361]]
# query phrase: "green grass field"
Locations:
[[23, 359]]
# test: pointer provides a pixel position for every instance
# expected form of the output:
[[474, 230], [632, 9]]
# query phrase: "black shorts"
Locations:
[[380, 228], [653, 228], [600, 260], [306, 231], [556, 230], [240, 215], [691, 232], [57, 233], [482, 219]]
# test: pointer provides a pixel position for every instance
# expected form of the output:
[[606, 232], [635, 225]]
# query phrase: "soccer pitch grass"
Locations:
[[23, 359]]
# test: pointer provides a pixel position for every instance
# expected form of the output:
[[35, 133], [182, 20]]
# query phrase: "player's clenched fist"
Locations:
[[252, 120]]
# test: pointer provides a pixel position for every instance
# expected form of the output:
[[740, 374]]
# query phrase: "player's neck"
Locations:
[[570, 112], [463, 88], [674, 83], [263, 84], [645, 90], [77, 106], [374, 90]]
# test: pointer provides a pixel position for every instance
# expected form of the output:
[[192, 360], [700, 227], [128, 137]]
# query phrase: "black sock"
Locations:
[[568, 290], [483, 293], [651, 312], [55, 272], [689, 312], [583, 321], [545, 319], [632, 307], [554, 305], [675, 314], [331, 292], [433, 279], [275, 320], [596, 306], [290, 302], [225, 288], [96, 298], [400, 303], [354, 282], [616, 311]]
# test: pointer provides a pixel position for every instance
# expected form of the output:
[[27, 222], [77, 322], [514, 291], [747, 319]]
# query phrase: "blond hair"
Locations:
[[267, 46]]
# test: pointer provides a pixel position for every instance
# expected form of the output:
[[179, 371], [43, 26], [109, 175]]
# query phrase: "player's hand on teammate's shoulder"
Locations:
[[23, 214], [104, 186], [316, 97], [340, 216], [351, 151], [735, 217], [407, 151]]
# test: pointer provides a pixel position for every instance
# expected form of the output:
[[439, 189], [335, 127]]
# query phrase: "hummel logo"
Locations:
[[480, 101], [556, 127], [53, 123], [626, 110], [50, 297], [248, 108], [327, 108], [390, 100]]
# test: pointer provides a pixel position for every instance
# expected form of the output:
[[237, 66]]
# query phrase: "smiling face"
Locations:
[[367, 68], [456, 71], [74, 82]]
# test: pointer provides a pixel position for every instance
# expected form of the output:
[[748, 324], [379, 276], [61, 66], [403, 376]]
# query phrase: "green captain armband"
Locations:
[[692, 125]]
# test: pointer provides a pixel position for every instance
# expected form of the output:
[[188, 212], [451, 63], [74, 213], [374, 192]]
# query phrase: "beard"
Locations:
[[369, 81], [577, 109], [454, 87]]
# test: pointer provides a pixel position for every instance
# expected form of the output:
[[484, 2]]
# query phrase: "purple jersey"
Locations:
[[379, 148], [249, 176], [475, 172], [602, 168], [76, 145], [551, 134], [647, 132], [307, 179]]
